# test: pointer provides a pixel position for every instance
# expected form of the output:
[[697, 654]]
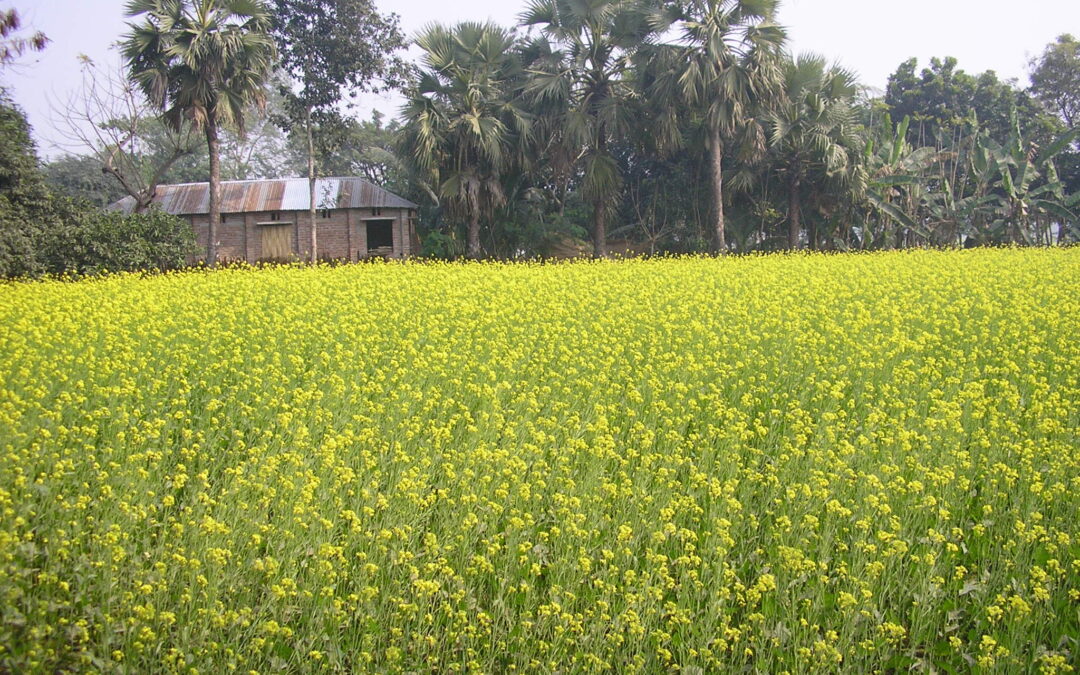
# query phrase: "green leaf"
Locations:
[[1057, 209], [1006, 179], [899, 140], [1059, 144], [894, 212], [980, 159], [896, 180]]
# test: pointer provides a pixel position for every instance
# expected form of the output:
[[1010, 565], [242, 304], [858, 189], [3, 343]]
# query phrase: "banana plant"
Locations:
[[1031, 197], [955, 217], [896, 185], [1070, 230], [964, 205]]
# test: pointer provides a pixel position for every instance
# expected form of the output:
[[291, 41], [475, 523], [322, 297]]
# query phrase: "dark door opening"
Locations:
[[380, 235]]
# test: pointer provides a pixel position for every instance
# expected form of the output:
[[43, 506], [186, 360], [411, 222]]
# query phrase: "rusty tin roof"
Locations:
[[278, 194]]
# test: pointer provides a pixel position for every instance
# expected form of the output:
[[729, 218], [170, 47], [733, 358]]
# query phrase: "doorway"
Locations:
[[380, 237]]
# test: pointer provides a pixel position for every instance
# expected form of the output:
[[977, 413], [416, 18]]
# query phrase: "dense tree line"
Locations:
[[633, 125], [688, 126]]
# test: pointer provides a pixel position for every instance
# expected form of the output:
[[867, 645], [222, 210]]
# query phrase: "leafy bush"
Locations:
[[24, 198], [87, 240], [41, 233]]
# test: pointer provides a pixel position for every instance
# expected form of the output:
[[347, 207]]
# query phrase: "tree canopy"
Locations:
[[330, 49], [203, 62]]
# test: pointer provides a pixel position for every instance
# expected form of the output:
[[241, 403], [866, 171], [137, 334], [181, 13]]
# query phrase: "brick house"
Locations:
[[269, 219]]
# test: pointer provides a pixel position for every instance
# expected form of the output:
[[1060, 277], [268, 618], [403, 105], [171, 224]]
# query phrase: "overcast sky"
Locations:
[[871, 37]]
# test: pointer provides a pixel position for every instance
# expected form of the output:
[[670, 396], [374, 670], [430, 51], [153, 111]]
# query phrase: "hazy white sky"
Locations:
[[871, 37]]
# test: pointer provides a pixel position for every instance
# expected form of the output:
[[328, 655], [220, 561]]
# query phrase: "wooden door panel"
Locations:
[[276, 242]]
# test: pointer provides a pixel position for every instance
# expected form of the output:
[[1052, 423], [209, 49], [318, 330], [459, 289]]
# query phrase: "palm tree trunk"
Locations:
[[311, 189], [215, 189], [600, 249], [716, 151], [599, 229], [794, 225], [474, 234]]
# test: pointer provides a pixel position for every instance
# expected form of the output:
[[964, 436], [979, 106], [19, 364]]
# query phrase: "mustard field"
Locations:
[[774, 463]]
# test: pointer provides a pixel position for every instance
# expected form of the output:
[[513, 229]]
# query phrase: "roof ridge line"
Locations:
[[269, 180]]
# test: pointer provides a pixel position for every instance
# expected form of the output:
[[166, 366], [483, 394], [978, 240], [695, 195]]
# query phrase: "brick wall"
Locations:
[[200, 227], [341, 236], [232, 238], [359, 230], [333, 234]]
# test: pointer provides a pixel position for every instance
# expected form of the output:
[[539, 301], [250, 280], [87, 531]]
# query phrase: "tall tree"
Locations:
[[368, 149], [263, 150], [811, 130], [588, 73], [1055, 81], [203, 61], [1055, 78], [942, 98], [726, 65], [25, 202], [464, 127], [81, 177], [331, 48]]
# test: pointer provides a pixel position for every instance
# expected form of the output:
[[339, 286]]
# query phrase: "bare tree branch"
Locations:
[[110, 119]]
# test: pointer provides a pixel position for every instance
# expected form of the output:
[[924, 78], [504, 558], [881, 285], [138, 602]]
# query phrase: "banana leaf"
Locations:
[[896, 214], [895, 180], [1059, 144], [1056, 209], [898, 140]]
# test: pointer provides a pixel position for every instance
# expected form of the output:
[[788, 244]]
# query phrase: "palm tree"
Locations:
[[811, 129], [464, 126], [727, 62], [585, 76], [203, 61]]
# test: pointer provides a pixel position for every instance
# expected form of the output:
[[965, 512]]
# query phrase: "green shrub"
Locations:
[[87, 240], [41, 233], [24, 198]]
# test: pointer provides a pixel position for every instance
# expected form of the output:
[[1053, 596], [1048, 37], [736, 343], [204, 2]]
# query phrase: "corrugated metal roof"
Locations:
[[279, 194]]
